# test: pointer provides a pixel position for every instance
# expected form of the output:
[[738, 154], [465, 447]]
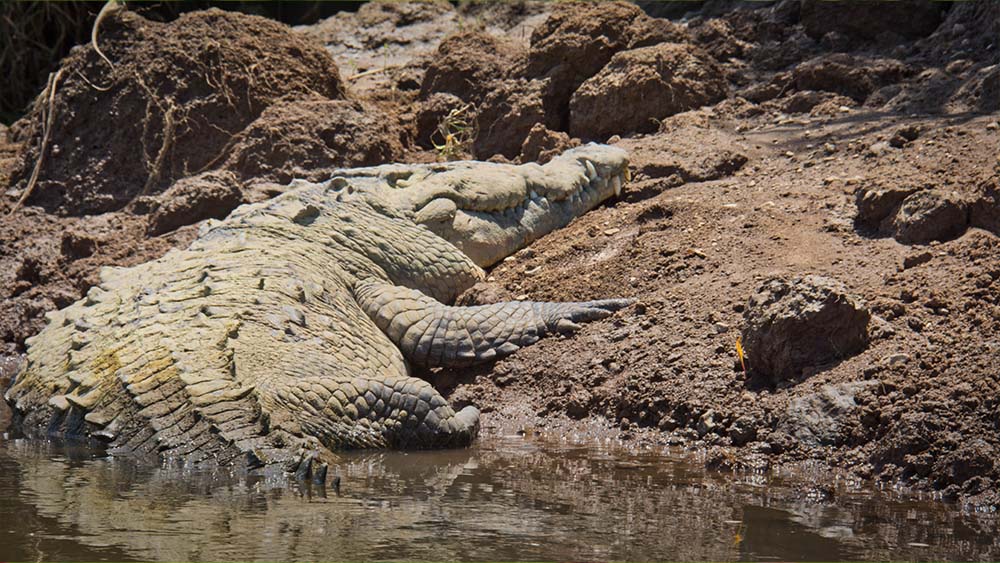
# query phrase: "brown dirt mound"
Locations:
[[309, 138], [176, 95], [576, 41], [507, 114], [644, 85], [466, 63], [853, 76]]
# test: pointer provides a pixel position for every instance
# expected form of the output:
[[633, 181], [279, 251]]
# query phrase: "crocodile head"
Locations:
[[491, 210]]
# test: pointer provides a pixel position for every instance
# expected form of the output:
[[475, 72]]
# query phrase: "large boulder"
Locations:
[[802, 323], [641, 86]]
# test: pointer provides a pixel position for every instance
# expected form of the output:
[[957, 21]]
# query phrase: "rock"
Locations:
[[541, 144], [867, 20], [431, 113], [822, 418], [904, 136], [984, 212], [878, 206], [805, 322], [466, 64], [211, 195], [878, 149], [743, 430], [914, 260], [708, 423], [507, 115], [980, 93], [804, 101], [896, 359], [644, 85], [930, 215]]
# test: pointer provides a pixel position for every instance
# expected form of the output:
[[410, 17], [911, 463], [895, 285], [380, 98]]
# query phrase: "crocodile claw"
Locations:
[[564, 316]]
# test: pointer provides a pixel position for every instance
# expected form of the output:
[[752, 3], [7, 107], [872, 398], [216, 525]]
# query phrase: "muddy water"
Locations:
[[508, 498]]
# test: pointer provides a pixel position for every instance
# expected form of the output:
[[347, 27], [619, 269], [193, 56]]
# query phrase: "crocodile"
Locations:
[[290, 329]]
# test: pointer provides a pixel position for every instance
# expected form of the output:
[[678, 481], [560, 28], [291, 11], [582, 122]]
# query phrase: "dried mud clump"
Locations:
[[466, 63], [877, 207], [211, 195], [851, 76], [795, 325], [309, 138], [642, 86], [576, 41], [823, 418], [507, 115], [985, 209], [914, 216], [542, 145], [168, 106], [930, 215]]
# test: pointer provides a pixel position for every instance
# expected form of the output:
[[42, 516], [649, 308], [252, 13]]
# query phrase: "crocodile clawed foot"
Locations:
[[564, 317], [307, 467]]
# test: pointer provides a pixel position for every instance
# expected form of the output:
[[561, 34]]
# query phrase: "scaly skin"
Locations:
[[291, 325]]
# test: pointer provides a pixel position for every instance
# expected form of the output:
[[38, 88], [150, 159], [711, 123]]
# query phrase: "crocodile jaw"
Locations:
[[535, 201]]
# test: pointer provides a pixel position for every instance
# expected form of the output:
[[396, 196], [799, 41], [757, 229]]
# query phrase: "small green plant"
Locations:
[[455, 133]]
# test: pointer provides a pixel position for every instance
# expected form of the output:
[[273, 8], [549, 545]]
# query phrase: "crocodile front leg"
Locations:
[[432, 334]]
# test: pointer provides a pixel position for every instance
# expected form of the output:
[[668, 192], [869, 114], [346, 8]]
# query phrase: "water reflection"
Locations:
[[506, 499]]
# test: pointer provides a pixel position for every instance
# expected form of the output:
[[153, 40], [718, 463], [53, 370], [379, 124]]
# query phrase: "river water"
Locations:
[[507, 498]]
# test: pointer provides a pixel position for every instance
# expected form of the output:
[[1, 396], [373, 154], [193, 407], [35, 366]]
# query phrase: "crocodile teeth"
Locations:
[[616, 182], [591, 171]]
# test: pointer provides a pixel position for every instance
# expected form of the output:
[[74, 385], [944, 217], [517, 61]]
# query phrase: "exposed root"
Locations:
[[354, 77], [50, 112], [110, 7], [169, 124]]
